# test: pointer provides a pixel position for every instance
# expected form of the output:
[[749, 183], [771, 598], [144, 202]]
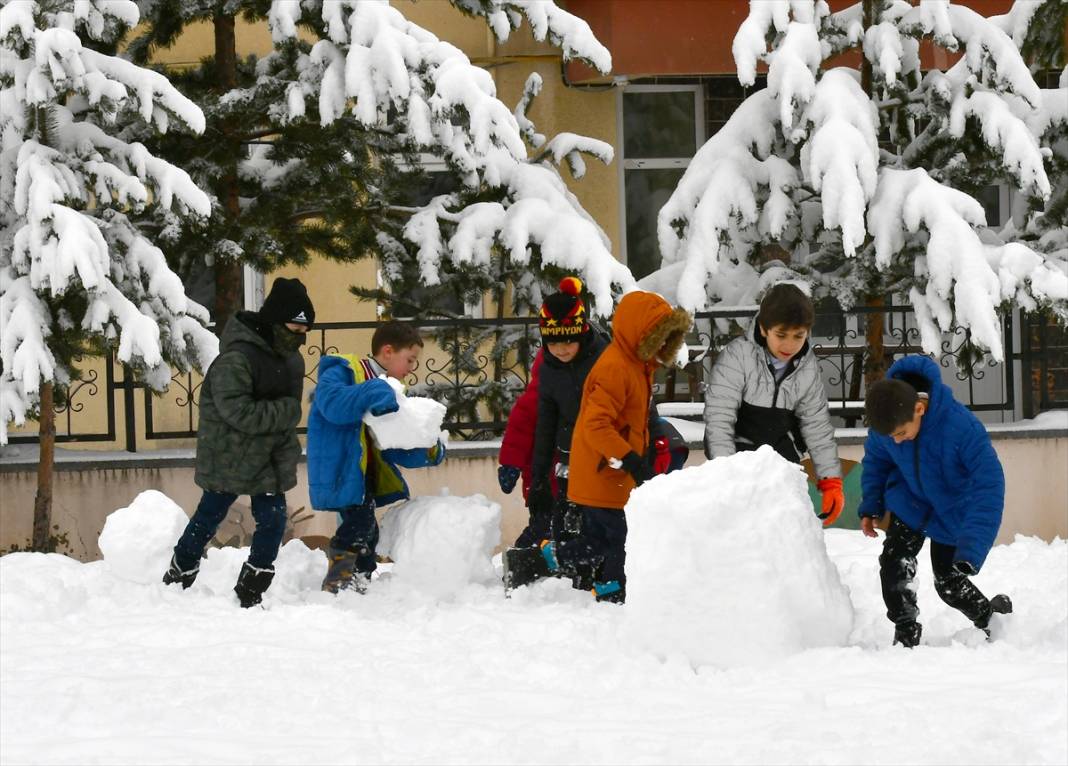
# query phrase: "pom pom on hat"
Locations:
[[563, 315]]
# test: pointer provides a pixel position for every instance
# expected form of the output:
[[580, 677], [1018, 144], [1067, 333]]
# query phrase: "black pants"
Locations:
[[600, 545], [269, 511], [358, 531], [897, 570]]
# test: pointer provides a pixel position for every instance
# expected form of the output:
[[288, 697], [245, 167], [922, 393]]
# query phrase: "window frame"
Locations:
[[659, 163]]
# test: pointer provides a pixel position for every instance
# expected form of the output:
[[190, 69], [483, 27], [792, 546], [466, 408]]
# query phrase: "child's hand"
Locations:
[[867, 526], [380, 397], [507, 476], [833, 499]]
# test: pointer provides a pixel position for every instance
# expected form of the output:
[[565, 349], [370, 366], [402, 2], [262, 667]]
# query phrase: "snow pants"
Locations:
[[600, 545], [897, 570], [358, 532], [269, 511]]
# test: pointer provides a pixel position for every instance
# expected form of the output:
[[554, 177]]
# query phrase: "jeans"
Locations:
[[897, 570], [269, 511], [601, 544], [358, 531]]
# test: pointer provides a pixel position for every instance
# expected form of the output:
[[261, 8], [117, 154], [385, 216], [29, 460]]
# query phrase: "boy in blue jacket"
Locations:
[[928, 462], [347, 473]]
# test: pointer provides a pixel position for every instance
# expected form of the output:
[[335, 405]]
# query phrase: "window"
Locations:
[[414, 299], [662, 127]]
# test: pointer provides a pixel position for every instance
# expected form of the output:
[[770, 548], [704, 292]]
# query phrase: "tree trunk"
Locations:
[[42, 504], [228, 287], [875, 358]]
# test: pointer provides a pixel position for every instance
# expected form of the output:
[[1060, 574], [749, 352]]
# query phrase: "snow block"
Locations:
[[417, 424], [440, 544], [137, 541], [727, 564]]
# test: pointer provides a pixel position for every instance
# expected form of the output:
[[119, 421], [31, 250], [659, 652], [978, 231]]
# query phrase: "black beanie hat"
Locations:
[[563, 315], [288, 301]]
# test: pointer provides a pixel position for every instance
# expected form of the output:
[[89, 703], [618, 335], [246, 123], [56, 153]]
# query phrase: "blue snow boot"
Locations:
[[610, 591]]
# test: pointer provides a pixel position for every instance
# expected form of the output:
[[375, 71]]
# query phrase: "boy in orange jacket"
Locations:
[[608, 447]]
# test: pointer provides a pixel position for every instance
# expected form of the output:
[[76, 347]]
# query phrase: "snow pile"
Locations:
[[727, 564], [441, 544], [417, 422], [137, 541]]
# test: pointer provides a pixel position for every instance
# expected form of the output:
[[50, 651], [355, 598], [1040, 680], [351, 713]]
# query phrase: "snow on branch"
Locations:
[[961, 285], [390, 72], [548, 21], [64, 182]]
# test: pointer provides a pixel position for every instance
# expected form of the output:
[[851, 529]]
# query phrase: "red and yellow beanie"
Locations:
[[563, 314]]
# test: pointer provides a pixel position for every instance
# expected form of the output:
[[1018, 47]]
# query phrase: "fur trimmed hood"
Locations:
[[645, 322]]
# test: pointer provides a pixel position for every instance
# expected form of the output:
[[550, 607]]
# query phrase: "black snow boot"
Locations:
[[175, 574], [252, 582], [999, 604], [908, 634], [522, 566]]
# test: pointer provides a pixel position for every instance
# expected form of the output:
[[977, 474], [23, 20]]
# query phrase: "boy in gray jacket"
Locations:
[[767, 389]]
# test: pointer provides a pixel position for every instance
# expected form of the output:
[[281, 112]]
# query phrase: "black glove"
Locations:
[[965, 568], [507, 476], [635, 465]]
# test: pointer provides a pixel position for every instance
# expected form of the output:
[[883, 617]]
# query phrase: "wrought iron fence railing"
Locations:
[[477, 367]]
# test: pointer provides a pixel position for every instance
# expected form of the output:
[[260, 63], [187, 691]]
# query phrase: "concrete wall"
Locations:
[[1036, 471]]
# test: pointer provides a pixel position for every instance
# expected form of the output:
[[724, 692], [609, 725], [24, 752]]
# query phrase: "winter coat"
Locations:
[[614, 417], [947, 483], [339, 448], [517, 444], [559, 397], [249, 410], [745, 407]]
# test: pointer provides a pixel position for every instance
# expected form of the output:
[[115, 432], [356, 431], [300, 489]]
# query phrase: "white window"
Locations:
[[661, 127]]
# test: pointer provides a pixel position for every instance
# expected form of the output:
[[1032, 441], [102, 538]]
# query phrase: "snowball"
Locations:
[[727, 564], [137, 541], [416, 424], [441, 544]]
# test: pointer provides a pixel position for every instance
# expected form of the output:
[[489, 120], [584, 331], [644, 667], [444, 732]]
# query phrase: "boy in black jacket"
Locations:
[[572, 347]]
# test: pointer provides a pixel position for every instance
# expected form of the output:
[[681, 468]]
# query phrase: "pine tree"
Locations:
[[868, 175], [77, 276], [359, 105]]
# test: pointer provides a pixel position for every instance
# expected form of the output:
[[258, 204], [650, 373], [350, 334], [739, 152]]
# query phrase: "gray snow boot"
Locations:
[[342, 573], [175, 574], [252, 583]]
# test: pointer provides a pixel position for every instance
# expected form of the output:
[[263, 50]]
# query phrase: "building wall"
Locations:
[[1035, 471]]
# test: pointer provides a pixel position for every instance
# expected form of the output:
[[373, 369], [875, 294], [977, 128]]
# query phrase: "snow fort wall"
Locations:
[[727, 564]]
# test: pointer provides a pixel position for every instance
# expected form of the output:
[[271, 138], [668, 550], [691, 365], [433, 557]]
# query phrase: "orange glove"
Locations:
[[833, 499]]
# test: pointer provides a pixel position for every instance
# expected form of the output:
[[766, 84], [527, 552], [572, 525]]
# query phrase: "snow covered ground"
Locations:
[[102, 664]]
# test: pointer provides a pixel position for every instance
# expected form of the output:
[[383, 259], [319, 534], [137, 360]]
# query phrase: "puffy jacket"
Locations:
[[947, 482], [339, 449], [517, 444], [249, 409], [614, 417], [745, 407], [559, 398]]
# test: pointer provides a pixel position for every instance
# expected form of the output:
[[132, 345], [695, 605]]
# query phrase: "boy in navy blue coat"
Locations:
[[928, 462], [347, 473]]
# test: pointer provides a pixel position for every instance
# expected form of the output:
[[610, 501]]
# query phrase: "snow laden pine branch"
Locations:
[[391, 74], [800, 164], [74, 271]]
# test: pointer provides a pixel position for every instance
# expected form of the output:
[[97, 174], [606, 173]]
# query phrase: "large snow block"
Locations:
[[417, 422], [137, 541], [442, 543], [727, 565]]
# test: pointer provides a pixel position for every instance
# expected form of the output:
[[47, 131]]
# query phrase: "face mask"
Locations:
[[285, 340]]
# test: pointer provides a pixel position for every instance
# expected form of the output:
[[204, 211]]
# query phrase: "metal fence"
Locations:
[[478, 366]]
